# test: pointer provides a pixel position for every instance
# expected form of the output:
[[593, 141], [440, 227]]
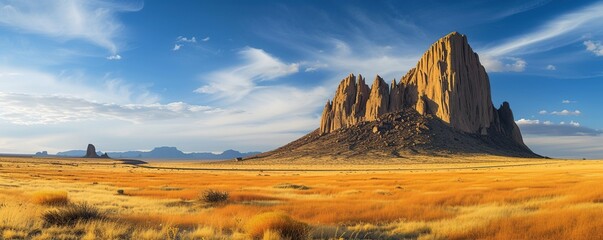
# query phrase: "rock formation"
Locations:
[[91, 152], [448, 82], [443, 105]]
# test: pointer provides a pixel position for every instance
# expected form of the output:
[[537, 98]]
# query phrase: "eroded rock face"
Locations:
[[348, 106], [378, 102], [448, 82]]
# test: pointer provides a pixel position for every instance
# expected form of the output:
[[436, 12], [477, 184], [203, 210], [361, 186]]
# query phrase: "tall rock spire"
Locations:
[[378, 102], [448, 82]]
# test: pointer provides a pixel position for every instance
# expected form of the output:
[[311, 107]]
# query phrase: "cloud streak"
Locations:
[[234, 83], [26, 109], [92, 21], [575, 23]]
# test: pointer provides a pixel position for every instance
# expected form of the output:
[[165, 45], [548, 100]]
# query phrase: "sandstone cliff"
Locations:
[[448, 82]]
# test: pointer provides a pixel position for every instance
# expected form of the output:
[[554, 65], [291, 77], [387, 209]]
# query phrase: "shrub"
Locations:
[[120, 192], [276, 222], [292, 186], [55, 198], [72, 214], [214, 196]]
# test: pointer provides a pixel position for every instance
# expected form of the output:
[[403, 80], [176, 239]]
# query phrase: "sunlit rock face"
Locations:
[[448, 82]]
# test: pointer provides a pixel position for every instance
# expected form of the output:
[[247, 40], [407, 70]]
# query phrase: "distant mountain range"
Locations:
[[164, 153]]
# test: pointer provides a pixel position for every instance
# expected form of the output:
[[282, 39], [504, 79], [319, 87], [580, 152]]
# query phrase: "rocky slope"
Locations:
[[399, 134], [448, 92]]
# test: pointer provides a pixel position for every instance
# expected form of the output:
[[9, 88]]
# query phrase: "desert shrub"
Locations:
[[213, 196], [120, 192], [276, 222], [292, 186], [50, 198], [71, 214]]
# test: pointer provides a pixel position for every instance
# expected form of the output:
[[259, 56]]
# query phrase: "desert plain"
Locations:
[[463, 197]]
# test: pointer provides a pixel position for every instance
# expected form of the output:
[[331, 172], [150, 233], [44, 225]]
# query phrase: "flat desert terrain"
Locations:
[[466, 198]]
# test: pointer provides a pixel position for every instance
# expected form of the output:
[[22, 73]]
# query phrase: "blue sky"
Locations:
[[214, 75]]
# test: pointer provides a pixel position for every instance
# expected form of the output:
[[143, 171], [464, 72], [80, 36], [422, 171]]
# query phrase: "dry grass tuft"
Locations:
[[72, 214], [54, 198], [13, 234], [276, 222]]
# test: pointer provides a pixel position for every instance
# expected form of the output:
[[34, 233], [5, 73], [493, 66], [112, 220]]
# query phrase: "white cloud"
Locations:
[[235, 83], [563, 112], [114, 57], [187, 40], [566, 112], [503, 64], [568, 101], [524, 121], [181, 41], [594, 46], [551, 67], [92, 21], [548, 128]]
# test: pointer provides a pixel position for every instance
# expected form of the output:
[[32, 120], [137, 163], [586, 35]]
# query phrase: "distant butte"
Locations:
[[442, 106], [91, 152]]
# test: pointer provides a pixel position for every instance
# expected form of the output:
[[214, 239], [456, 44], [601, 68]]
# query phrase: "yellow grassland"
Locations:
[[470, 198]]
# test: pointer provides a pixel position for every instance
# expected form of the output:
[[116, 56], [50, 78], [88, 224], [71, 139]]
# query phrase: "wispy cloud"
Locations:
[[186, 40], [537, 127], [551, 67], [566, 112], [107, 89], [560, 31], [92, 21], [181, 41], [234, 83], [575, 23], [594, 46], [524, 7], [565, 101], [27, 109], [563, 112]]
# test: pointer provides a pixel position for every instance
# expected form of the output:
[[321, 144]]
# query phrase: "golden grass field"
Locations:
[[470, 198]]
